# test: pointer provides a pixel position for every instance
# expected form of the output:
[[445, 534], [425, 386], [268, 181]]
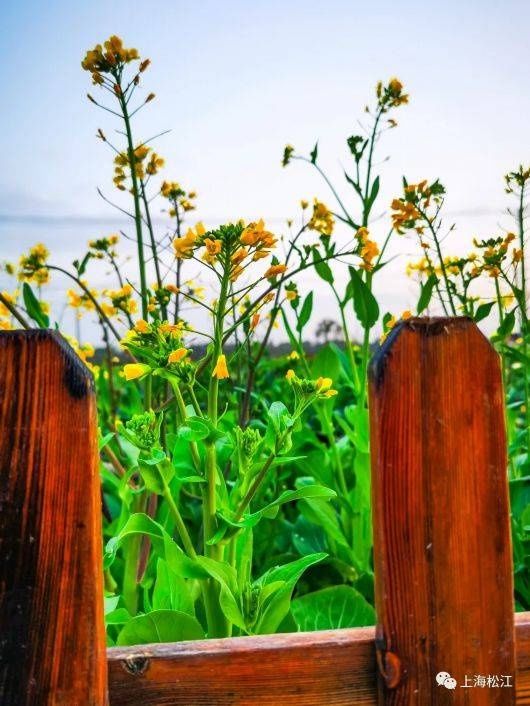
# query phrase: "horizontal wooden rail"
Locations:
[[335, 667]]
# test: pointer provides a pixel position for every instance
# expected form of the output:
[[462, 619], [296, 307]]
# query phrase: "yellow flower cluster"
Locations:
[[109, 58], [120, 300], [146, 162], [81, 300], [33, 265], [102, 246], [391, 95], [178, 197], [185, 246], [321, 388], [494, 253], [322, 219], [368, 249]]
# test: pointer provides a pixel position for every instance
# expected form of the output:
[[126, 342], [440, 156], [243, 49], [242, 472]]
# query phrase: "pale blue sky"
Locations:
[[237, 80]]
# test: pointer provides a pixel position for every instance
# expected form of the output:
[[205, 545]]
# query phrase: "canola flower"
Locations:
[[220, 370], [322, 219]]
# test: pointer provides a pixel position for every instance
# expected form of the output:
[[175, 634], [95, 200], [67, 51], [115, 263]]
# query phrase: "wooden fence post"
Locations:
[[442, 549], [52, 639]]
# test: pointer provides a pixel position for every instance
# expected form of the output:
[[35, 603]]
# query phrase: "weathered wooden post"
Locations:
[[52, 640], [443, 555]]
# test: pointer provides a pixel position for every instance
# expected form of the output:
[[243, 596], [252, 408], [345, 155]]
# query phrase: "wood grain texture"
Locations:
[[302, 669], [307, 669], [52, 641], [443, 556]]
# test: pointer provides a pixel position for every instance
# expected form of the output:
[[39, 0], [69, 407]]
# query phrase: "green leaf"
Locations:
[[275, 608], [314, 154], [156, 471], [373, 195], [33, 307], [507, 325], [305, 312], [364, 302], [426, 293], [332, 608], [483, 311], [120, 616], [163, 546], [160, 626], [104, 440], [326, 363], [226, 577], [271, 510], [323, 515], [171, 592], [322, 268], [194, 429]]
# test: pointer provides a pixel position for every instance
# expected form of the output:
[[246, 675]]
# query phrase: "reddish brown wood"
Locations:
[[308, 669], [335, 667], [443, 557], [52, 640]]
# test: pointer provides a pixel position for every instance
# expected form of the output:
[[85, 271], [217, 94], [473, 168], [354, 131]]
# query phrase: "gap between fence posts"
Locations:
[[442, 548], [52, 635]]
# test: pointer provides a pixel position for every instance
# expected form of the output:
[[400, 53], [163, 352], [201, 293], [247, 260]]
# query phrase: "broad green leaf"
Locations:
[[172, 592], [324, 515], [483, 311], [307, 537], [507, 325], [271, 510], [120, 616], [305, 312], [33, 307], [332, 608], [276, 607], [162, 544], [226, 577], [194, 429], [364, 303], [160, 626], [322, 268], [155, 472], [326, 363], [426, 293]]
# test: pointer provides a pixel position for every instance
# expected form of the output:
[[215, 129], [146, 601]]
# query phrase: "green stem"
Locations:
[[136, 198]]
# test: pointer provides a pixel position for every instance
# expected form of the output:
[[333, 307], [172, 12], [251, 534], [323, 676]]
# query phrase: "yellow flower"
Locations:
[[199, 228], [133, 371], [304, 204], [177, 355], [323, 384], [142, 326], [275, 270], [293, 355], [290, 375], [238, 257], [406, 315], [221, 370], [184, 246], [322, 219]]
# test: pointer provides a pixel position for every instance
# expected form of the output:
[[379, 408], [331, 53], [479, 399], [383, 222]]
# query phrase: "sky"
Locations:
[[235, 81]]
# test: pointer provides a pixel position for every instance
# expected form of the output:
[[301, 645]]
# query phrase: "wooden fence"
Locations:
[[442, 550]]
